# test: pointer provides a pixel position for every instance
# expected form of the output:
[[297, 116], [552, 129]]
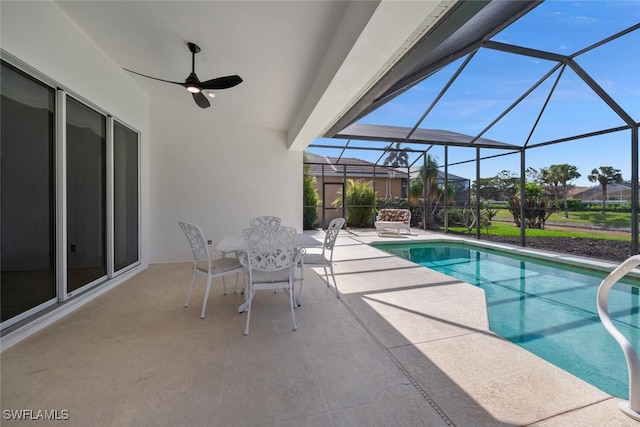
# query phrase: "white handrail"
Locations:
[[632, 407]]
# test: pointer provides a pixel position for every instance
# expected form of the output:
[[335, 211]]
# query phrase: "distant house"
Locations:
[[574, 192], [620, 193], [331, 174]]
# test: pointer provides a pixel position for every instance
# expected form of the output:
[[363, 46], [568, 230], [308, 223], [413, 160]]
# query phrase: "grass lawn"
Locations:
[[614, 219], [507, 229]]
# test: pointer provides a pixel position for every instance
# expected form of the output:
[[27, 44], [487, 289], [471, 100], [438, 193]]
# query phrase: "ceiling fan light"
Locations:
[[211, 94], [193, 89]]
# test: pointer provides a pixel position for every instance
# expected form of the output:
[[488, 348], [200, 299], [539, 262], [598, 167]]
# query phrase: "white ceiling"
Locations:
[[291, 54]]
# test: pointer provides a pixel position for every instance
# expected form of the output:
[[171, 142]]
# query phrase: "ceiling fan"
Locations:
[[194, 85]]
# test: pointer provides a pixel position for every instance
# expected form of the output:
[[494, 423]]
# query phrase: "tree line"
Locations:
[[555, 179], [425, 191]]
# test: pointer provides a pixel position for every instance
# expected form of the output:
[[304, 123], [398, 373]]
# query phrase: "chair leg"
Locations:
[[326, 276], [293, 314], [206, 297], [334, 281], [235, 291], [224, 285], [193, 281], [245, 278], [249, 300], [299, 301]]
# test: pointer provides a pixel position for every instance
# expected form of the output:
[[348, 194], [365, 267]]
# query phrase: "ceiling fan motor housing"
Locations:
[[192, 80]]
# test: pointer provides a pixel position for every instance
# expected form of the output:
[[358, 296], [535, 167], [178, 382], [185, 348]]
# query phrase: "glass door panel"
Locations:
[[27, 227], [125, 196], [86, 195], [331, 191]]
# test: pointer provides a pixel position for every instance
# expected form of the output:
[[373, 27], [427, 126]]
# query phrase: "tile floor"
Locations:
[[403, 346]]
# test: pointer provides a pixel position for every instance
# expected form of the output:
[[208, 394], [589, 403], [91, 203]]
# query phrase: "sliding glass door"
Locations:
[[86, 195], [27, 219], [70, 194], [125, 197]]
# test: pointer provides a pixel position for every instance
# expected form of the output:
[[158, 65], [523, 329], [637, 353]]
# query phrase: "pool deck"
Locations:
[[403, 346]]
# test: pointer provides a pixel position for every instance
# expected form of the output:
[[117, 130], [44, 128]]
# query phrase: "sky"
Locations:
[[494, 80]]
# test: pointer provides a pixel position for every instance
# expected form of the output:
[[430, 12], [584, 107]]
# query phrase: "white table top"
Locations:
[[235, 242]]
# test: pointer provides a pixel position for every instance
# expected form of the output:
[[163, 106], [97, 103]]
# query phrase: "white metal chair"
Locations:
[[324, 259], [270, 259], [264, 221], [203, 265]]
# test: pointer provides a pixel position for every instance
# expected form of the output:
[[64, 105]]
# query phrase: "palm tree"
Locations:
[[429, 178], [549, 176], [415, 191], [449, 191], [397, 157], [606, 175]]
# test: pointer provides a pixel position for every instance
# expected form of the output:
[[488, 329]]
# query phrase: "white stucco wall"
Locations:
[[40, 35], [216, 171], [196, 165]]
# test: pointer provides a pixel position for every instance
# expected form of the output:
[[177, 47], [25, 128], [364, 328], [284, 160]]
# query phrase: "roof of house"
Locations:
[[596, 190], [573, 191], [334, 166]]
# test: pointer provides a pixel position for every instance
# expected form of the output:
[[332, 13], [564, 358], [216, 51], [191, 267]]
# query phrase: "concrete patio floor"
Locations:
[[403, 346]]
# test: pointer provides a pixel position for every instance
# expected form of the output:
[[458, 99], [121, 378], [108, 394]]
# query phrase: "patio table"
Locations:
[[235, 243]]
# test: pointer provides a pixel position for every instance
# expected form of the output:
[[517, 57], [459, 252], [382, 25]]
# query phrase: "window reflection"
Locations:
[[27, 176], [86, 195], [125, 196]]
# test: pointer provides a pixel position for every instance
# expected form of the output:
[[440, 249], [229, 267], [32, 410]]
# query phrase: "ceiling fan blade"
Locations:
[[201, 100], [154, 78], [221, 82]]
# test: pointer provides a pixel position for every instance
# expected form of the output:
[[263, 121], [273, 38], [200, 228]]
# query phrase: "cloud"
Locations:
[[584, 20]]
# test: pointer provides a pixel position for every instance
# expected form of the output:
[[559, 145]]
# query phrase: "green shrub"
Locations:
[[495, 205], [310, 201], [572, 204], [464, 217], [361, 203], [536, 210], [488, 212], [395, 203], [626, 207]]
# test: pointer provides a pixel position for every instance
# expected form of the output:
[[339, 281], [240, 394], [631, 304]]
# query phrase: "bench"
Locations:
[[393, 220]]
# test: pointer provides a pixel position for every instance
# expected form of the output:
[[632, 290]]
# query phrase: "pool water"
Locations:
[[547, 308]]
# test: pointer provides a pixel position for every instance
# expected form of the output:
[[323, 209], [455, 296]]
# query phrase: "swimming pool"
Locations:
[[545, 307]]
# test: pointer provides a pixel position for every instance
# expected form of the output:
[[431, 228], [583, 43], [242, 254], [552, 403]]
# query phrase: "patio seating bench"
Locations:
[[393, 220]]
